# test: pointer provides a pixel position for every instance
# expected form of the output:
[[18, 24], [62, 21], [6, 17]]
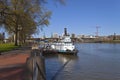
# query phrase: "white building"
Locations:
[[55, 35]]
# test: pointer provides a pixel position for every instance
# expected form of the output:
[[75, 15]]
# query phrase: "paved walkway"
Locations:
[[12, 64]]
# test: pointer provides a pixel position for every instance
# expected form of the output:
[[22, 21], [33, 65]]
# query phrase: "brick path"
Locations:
[[12, 64]]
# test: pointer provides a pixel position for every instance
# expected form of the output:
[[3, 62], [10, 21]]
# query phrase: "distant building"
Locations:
[[73, 35], [55, 35], [79, 36], [88, 36]]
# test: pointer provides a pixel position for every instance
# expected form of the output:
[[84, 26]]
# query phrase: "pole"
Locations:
[[97, 31]]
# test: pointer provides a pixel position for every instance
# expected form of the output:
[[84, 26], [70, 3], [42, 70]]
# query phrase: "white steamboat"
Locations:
[[65, 46]]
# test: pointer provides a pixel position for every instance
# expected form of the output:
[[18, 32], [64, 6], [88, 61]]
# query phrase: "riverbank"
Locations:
[[100, 41], [112, 41]]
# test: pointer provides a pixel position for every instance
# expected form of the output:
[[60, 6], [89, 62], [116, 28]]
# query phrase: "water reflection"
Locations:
[[64, 58], [58, 63], [61, 57]]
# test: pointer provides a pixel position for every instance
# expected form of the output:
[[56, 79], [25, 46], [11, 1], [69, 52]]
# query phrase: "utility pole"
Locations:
[[97, 31]]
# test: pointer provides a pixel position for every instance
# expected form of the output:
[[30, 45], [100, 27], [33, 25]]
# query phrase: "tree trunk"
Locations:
[[16, 38]]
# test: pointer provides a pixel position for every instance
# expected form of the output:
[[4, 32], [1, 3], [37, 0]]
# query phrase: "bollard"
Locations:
[[36, 66]]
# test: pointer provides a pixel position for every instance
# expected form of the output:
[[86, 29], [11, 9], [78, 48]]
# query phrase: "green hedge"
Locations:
[[7, 47]]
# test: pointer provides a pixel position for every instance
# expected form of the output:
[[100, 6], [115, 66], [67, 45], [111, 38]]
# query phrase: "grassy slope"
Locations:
[[7, 47]]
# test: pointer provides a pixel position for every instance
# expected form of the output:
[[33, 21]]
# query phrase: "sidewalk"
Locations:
[[12, 64]]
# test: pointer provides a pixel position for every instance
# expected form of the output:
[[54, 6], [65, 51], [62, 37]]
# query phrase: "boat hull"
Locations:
[[47, 51]]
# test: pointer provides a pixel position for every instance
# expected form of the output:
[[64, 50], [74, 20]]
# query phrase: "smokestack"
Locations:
[[65, 31]]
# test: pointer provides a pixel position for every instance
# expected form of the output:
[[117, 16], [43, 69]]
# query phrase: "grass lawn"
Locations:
[[7, 47]]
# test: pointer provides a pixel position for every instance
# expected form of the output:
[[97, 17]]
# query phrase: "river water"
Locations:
[[94, 61]]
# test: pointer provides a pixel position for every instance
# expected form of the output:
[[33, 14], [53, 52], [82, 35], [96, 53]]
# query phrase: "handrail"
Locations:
[[43, 75], [36, 66]]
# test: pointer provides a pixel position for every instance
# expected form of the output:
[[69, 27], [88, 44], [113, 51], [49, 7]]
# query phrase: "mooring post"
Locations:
[[36, 66]]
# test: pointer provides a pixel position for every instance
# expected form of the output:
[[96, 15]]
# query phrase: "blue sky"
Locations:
[[82, 17]]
